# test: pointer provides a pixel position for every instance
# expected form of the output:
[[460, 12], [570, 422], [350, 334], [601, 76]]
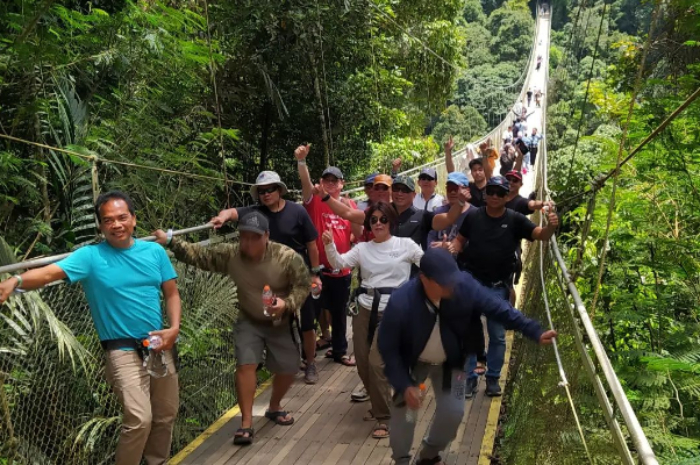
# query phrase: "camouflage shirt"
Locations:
[[281, 268]]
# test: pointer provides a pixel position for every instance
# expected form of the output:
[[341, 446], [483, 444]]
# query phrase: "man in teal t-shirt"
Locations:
[[123, 279]]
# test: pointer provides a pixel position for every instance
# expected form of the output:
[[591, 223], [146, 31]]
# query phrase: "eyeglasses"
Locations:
[[268, 190], [425, 178], [381, 187], [403, 189], [512, 179], [374, 219], [493, 190]]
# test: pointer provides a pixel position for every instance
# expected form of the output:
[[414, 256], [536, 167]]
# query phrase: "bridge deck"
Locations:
[[329, 430]]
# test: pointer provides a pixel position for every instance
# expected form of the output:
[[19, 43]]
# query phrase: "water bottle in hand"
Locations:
[[412, 415], [315, 291], [268, 300], [153, 342]]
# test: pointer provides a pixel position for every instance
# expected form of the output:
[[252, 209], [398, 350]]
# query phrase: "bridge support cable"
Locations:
[[39, 262]]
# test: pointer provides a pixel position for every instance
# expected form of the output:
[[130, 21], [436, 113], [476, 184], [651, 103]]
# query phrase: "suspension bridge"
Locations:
[[329, 428]]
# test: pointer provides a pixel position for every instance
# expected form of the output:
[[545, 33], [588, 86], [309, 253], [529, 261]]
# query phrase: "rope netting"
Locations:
[[56, 406]]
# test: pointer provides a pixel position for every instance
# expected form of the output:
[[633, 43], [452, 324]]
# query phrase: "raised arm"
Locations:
[[349, 259], [517, 166], [449, 163], [344, 211], [229, 214], [32, 279], [444, 220], [307, 187], [210, 258]]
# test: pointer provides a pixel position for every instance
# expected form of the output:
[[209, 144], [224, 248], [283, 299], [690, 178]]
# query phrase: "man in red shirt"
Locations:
[[336, 283]]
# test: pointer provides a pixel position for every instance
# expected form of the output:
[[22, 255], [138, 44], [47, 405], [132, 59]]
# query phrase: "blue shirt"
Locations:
[[122, 286]]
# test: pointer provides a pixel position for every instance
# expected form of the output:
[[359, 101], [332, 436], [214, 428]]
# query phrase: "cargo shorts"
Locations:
[[252, 338]]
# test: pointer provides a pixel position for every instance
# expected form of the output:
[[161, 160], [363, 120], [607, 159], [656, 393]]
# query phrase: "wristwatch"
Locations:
[[316, 270], [326, 198]]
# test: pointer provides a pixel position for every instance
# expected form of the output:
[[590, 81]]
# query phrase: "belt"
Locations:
[[136, 345], [377, 293]]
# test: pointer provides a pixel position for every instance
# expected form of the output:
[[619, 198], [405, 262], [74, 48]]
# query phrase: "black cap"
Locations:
[[332, 170], [499, 181], [254, 222], [439, 265]]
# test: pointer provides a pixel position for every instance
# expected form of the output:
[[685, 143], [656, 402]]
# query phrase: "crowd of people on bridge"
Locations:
[[428, 269]]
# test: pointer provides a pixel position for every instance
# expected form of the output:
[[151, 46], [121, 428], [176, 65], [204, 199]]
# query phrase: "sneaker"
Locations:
[[493, 388], [471, 387], [360, 396], [310, 374]]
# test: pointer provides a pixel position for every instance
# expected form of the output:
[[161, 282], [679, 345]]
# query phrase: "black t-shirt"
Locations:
[[492, 243], [520, 204], [478, 199], [415, 224], [290, 226]]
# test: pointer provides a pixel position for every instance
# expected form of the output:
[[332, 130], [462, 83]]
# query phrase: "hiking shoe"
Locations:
[[493, 388], [310, 374], [471, 387], [360, 396]]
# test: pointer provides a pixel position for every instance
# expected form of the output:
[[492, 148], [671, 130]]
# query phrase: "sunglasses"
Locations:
[[491, 191], [425, 178], [269, 190], [369, 186], [451, 187], [381, 187], [512, 179], [374, 219], [402, 189]]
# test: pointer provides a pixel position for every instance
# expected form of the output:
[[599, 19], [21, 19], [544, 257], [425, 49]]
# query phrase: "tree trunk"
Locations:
[[319, 106], [267, 122]]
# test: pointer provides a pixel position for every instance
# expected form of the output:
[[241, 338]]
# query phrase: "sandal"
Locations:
[[480, 368], [329, 353], [324, 343], [380, 431], [347, 361], [278, 417], [240, 438]]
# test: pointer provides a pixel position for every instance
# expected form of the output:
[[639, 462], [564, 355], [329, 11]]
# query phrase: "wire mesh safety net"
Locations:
[[55, 405]]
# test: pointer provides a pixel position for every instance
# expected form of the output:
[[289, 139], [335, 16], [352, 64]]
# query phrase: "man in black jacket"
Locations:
[[424, 333]]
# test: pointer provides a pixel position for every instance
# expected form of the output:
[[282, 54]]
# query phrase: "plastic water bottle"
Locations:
[[268, 300], [153, 342], [315, 291], [412, 415]]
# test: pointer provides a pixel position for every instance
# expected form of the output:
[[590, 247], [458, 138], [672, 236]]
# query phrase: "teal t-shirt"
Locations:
[[123, 286]]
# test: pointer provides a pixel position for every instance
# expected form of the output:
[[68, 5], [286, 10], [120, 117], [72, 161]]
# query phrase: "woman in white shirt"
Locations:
[[385, 264]]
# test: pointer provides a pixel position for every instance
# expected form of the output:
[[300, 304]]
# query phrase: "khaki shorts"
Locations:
[[282, 350]]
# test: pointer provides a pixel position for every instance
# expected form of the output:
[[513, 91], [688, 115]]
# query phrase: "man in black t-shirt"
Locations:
[[291, 225], [412, 222], [481, 173], [517, 202], [492, 235]]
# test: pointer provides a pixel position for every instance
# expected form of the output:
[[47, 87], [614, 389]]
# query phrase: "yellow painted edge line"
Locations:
[[489, 440], [216, 426]]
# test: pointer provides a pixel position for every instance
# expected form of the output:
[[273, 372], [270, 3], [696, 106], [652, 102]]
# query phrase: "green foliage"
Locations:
[[464, 125], [412, 151]]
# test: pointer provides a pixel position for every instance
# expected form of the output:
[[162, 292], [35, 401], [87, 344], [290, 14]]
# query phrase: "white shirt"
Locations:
[[433, 202], [385, 264], [434, 352]]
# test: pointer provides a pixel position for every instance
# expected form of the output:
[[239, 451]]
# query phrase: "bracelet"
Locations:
[[326, 198], [301, 162], [19, 279], [169, 237]]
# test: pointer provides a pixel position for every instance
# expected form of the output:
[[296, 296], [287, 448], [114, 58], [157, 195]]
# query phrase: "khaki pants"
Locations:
[[150, 407], [370, 365]]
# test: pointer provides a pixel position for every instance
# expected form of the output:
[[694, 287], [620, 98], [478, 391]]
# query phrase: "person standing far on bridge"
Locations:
[[385, 264], [428, 199], [529, 96], [538, 97], [290, 225], [532, 143], [123, 278], [487, 244], [253, 264], [425, 333], [336, 282]]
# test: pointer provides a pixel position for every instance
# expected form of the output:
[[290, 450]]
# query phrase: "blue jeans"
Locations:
[[497, 341]]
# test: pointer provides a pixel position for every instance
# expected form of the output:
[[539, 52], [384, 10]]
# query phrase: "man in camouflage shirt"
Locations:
[[252, 264]]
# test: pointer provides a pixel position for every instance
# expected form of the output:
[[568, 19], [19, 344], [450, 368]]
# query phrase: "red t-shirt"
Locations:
[[324, 219]]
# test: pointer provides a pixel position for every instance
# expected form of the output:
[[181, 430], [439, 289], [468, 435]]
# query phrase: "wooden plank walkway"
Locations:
[[329, 430]]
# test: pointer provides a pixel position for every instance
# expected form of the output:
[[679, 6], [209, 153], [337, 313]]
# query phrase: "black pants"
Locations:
[[334, 298], [533, 155]]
